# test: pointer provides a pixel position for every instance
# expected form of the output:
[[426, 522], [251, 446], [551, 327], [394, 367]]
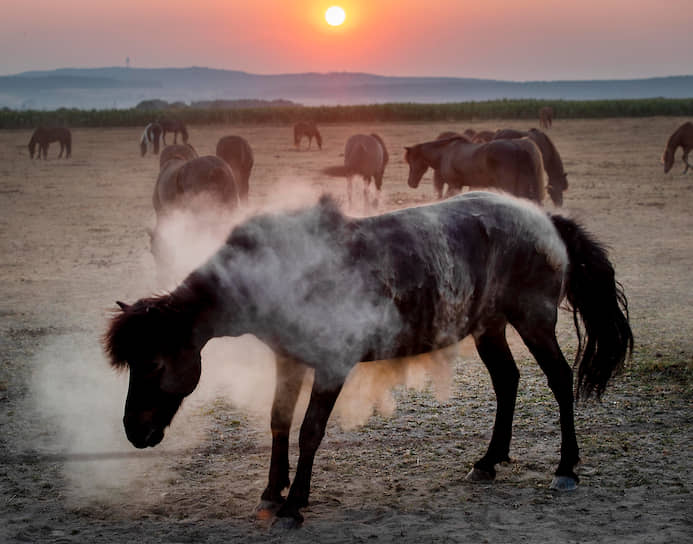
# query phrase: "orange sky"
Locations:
[[500, 39]]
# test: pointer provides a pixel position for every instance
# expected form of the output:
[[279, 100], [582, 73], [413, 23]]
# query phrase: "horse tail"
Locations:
[[341, 171], [386, 156], [530, 170], [594, 294]]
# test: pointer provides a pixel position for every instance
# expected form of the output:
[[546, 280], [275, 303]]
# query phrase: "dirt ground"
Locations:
[[73, 240]]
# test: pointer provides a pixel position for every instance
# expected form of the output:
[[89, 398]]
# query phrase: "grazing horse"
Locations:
[[175, 126], [482, 137], [546, 117], [202, 186], [553, 165], [44, 136], [324, 291], [682, 137], [513, 166], [366, 156], [236, 151], [309, 130], [150, 137]]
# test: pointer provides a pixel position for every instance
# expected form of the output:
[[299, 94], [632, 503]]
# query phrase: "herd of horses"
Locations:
[[326, 291]]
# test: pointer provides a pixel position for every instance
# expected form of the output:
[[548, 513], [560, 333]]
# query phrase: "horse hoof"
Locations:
[[478, 475], [563, 483], [266, 510]]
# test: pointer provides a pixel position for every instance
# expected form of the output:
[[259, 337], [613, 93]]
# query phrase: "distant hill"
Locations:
[[99, 88]]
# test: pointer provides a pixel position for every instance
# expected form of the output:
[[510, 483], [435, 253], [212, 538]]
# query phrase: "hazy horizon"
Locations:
[[531, 40]]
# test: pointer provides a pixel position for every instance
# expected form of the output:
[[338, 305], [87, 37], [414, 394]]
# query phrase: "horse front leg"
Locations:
[[62, 148], [290, 375], [350, 189], [322, 400], [496, 356], [685, 161]]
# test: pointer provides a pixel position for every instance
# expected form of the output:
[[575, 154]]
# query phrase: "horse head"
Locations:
[[164, 365], [668, 159], [417, 165]]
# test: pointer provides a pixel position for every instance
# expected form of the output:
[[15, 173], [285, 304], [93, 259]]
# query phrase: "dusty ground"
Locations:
[[73, 240]]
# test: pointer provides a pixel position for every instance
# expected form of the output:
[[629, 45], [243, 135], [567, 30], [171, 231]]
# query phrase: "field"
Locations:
[[391, 468]]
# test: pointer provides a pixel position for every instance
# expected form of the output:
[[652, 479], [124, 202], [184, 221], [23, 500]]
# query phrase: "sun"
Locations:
[[335, 16]]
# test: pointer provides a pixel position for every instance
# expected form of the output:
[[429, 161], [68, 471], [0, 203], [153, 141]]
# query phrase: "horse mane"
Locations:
[[386, 155], [147, 325], [673, 141]]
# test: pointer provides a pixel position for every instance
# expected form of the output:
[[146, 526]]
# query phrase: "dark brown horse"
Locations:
[[236, 151], [150, 137], [175, 126], [309, 130], [203, 187], [482, 137], [546, 117], [683, 138], [325, 291], [365, 156], [513, 166], [43, 136], [553, 165]]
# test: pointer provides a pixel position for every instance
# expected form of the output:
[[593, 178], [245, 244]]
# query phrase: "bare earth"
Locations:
[[73, 240]]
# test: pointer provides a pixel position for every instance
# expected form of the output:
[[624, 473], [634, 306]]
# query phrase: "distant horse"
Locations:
[[324, 291], [482, 137], [309, 130], [546, 117], [366, 156], [175, 126], [180, 152], [438, 181], [202, 186], [43, 136], [513, 166], [682, 137], [236, 151], [150, 137], [553, 165], [446, 135]]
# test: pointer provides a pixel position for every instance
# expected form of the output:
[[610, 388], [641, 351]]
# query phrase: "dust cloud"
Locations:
[[80, 398]]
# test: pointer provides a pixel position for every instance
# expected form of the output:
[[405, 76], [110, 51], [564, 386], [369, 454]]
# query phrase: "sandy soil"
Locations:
[[73, 240]]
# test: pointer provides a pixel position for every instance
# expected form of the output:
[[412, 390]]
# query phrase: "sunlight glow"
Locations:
[[335, 16]]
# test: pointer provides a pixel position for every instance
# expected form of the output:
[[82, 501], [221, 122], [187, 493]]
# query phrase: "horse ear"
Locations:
[[122, 305]]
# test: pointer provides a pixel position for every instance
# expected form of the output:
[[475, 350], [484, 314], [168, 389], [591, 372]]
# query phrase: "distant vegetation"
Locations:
[[279, 112]]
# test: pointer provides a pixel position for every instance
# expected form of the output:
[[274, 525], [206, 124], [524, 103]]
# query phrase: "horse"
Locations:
[[204, 187], [513, 166], [175, 126], [325, 291], [150, 137], [309, 130], [681, 137], [468, 135], [546, 117], [482, 137], [553, 165], [366, 156], [236, 151], [44, 136]]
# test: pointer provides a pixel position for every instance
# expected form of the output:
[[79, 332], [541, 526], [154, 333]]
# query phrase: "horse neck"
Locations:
[[433, 152], [675, 140]]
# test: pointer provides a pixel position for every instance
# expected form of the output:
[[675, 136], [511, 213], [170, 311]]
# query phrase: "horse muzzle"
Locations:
[[144, 437]]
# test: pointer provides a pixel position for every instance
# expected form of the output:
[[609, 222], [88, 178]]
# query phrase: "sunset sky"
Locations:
[[499, 39]]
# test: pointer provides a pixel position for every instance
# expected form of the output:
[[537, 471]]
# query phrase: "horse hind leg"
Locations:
[[290, 375], [496, 356], [540, 338]]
